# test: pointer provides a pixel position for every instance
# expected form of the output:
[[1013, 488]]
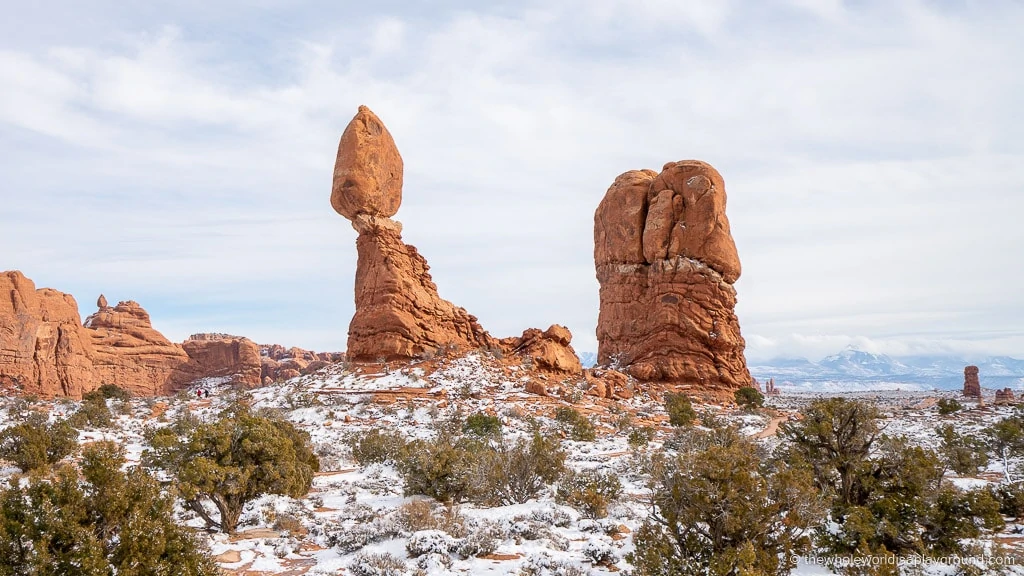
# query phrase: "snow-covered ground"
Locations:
[[354, 511]]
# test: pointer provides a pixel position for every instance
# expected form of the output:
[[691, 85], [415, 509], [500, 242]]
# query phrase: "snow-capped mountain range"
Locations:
[[854, 369]]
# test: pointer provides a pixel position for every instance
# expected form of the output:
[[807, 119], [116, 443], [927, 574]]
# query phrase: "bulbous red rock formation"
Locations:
[[666, 263], [368, 170], [399, 313]]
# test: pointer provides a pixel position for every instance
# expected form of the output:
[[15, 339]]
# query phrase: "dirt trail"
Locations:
[[773, 426]]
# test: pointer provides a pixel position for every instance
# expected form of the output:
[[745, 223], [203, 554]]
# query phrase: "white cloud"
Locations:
[[872, 158]]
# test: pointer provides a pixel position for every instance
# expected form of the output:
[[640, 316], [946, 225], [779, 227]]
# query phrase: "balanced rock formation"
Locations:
[[224, 356], [399, 314], [43, 348], [666, 263], [972, 386]]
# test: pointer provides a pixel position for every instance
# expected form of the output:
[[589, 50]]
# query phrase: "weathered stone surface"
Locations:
[[43, 348], [972, 385], [128, 352], [548, 350], [368, 170], [666, 263], [399, 313], [222, 355]]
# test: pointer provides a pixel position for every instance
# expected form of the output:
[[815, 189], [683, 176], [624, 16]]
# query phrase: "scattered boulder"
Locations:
[[548, 350], [666, 263]]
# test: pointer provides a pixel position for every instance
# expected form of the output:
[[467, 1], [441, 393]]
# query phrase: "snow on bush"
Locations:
[[383, 564], [429, 542], [600, 551], [542, 564]]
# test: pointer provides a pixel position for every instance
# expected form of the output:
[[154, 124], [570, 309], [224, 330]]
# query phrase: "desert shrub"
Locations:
[[93, 412], [963, 454], [955, 515], [35, 445], [590, 492], [514, 472], [483, 425], [429, 542], [377, 446], [640, 436], [109, 392], [419, 515], [107, 522], [887, 494], [719, 509], [440, 468], [382, 564], [575, 424], [600, 552], [1011, 500], [680, 410], [481, 540], [233, 460], [542, 564], [749, 398], [949, 406]]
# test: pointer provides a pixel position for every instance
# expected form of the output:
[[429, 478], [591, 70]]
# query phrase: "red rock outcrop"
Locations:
[[43, 348], [1005, 396], [399, 314], [223, 355], [548, 350], [972, 386], [127, 351], [666, 263]]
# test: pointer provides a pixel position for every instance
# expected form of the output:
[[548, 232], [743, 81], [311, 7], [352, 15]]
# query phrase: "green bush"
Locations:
[[109, 522], [515, 472], [590, 492], [640, 436], [232, 461], [680, 410], [35, 445], [483, 425], [748, 397], [376, 446], [440, 468], [93, 412], [963, 454], [719, 509], [949, 406], [109, 392], [575, 424]]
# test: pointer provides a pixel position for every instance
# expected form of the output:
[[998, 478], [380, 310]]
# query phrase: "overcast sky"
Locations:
[[181, 153]]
